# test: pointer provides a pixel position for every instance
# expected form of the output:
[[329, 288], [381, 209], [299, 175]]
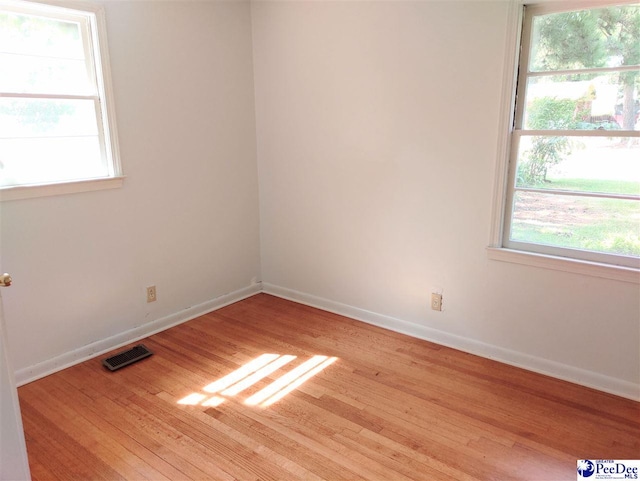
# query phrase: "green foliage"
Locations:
[[39, 116], [589, 39], [570, 40], [551, 113], [545, 113], [37, 30], [625, 244], [621, 27], [586, 38]]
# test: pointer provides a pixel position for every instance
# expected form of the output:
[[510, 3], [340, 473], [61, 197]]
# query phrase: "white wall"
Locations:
[[377, 132], [187, 217], [377, 128]]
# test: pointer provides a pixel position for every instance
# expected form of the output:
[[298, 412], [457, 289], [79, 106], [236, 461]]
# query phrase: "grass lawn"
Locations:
[[601, 225], [627, 187]]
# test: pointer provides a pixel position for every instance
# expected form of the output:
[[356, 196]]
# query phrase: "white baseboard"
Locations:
[[554, 369], [37, 371], [532, 363]]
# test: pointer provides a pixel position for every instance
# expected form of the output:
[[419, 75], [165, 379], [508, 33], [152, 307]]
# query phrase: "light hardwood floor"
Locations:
[[389, 408]]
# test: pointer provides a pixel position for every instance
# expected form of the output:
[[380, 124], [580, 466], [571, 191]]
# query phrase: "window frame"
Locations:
[[91, 17], [500, 247]]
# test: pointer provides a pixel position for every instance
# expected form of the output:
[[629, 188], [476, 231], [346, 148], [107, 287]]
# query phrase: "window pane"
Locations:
[[583, 102], [40, 36], [583, 164], [47, 118], [600, 225], [604, 37], [45, 140], [33, 75], [577, 194], [46, 160], [40, 55], [53, 106]]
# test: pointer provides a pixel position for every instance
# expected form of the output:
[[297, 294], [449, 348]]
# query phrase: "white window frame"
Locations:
[[91, 17], [499, 249]]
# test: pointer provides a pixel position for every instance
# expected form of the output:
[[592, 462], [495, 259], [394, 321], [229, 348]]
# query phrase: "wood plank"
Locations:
[[66, 457], [391, 407]]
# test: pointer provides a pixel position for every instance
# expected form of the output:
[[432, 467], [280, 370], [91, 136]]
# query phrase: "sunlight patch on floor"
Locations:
[[254, 371], [290, 381], [258, 375]]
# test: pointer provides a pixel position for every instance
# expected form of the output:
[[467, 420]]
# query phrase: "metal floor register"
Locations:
[[127, 357]]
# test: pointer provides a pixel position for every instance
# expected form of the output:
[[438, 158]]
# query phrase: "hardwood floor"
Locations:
[[390, 407]]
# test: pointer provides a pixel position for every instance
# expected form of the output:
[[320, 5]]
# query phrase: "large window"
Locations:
[[574, 175], [56, 123]]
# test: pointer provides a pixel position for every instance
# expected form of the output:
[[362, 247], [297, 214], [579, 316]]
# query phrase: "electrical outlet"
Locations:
[[151, 294], [436, 301]]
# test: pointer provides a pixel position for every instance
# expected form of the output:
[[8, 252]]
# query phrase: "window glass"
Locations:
[[581, 102], [575, 174], [53, 114], [606, 37]]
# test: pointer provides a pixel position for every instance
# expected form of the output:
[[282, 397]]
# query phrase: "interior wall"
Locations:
[[187, 217], [377, 127]]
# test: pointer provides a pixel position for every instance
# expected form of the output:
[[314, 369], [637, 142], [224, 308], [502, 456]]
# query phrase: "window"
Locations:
[[56, 121], [573, 187]]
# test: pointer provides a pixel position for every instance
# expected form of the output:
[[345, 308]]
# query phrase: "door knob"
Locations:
[[5, 280]]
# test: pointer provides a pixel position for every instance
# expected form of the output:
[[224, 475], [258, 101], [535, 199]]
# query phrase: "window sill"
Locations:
[[606, 271], [46, 190]]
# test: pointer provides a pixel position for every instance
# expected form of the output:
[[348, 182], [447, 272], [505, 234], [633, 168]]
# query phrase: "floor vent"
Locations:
[[125, 358]]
